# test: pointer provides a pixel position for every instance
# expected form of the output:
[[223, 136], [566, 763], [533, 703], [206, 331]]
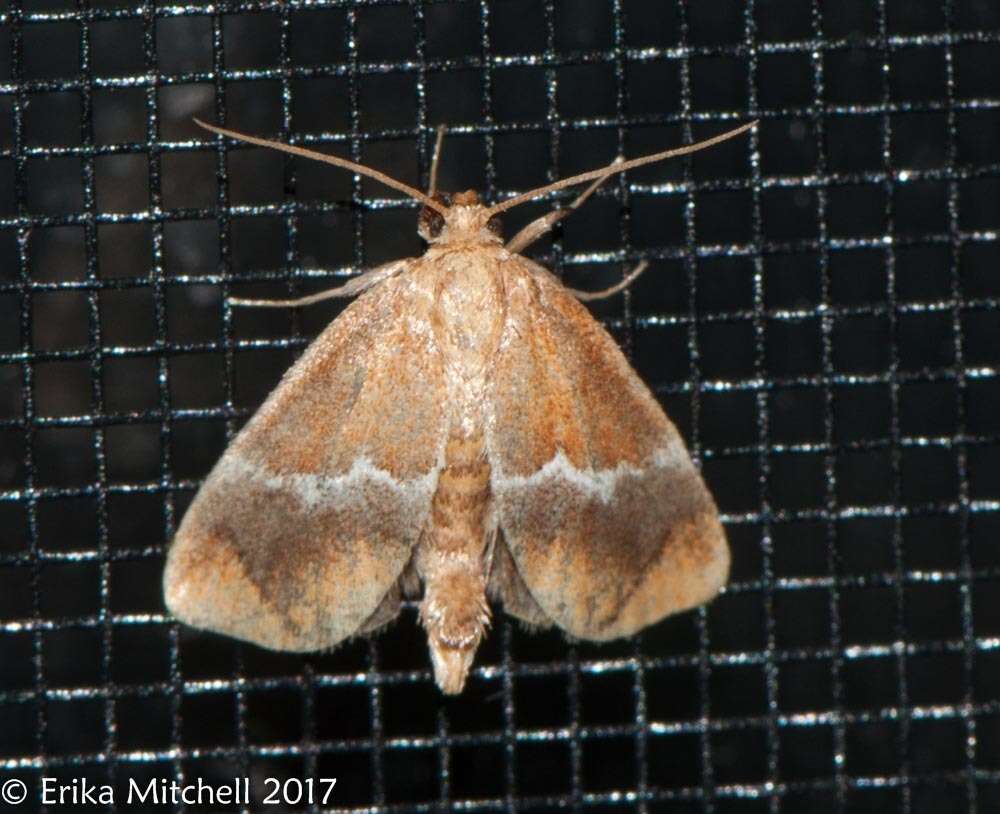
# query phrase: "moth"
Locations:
[[466, 426]]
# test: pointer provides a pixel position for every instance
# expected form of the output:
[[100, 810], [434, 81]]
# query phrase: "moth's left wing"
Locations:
[[298, 537], [608, 524]]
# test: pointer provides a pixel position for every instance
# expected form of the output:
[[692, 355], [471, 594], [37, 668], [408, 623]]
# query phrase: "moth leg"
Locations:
[[589, 296], [435, 161], [534, 230], [351, 288]]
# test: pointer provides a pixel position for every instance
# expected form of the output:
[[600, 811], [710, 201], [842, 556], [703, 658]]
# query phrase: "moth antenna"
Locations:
[[435, 161], [614, 168], [361, 169]]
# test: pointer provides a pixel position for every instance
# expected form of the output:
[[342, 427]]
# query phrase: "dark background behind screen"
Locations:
[[820, 319]]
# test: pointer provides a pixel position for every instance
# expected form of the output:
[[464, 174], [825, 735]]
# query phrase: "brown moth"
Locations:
[[464, 424]]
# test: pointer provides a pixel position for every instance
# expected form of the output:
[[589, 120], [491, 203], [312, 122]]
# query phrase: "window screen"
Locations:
[[820, 319]]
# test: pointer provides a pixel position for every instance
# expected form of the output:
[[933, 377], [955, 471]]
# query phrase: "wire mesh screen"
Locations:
[[820, 319]]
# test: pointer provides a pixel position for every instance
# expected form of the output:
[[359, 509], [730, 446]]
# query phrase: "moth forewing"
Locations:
[[312, 513], [464, 424], [607, 520]]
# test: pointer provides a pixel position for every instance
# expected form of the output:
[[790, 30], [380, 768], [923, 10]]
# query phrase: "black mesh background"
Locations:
[[820, 319]]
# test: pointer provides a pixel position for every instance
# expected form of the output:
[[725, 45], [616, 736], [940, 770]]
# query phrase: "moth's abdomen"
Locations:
[[451, 561], [458, 509]]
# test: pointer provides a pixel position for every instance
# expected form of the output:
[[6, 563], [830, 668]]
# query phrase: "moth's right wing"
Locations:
[[301, 531], [607, 524]]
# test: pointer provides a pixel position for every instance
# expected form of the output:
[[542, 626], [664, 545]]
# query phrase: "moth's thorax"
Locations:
[[469, 308]]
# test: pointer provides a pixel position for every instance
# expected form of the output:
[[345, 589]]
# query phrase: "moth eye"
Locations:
[[430, 222], [495, 227]]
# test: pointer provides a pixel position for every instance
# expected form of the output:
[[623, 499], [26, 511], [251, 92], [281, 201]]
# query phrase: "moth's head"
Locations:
[[465, 221]]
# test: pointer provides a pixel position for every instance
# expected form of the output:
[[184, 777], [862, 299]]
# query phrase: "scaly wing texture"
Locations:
[[304, 526], [608, 522]]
